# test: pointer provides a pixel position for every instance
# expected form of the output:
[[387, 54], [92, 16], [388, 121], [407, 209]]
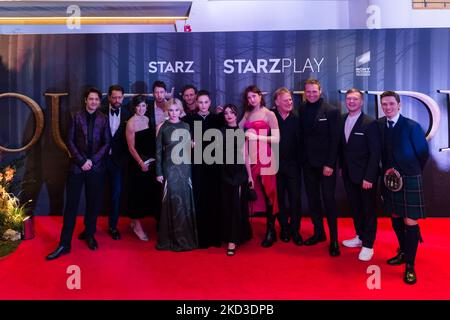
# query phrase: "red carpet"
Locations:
[[132, 269]]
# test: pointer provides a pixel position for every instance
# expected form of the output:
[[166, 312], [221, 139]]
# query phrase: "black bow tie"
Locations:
[[114, 112]]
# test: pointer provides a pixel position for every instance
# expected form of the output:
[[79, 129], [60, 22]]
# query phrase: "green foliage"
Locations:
[[12, 213], [6, 247]]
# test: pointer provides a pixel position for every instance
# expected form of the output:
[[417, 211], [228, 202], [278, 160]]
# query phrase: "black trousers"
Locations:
[[316, 184], [93, 183], [289, 182], [362, 204], [115, 181]]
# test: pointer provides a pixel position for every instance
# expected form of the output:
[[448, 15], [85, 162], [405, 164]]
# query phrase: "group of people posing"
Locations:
[[199, 202]]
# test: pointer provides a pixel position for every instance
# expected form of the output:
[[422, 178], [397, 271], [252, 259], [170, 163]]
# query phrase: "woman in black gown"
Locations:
[[140, 138], [205, 175], [235, 173], [177, 226]]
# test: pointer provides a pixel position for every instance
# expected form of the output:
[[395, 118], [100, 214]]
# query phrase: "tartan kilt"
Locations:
[[409, 201]]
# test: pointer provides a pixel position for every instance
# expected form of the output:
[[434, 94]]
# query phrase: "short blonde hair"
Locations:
[[171, 102]]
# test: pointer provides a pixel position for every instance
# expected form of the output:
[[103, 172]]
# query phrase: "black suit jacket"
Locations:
[[321, 142], [410, 152], [118, 144], [291, 142], [151, 113], [360, 155]]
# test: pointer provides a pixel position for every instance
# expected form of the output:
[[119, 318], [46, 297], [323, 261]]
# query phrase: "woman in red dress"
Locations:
[[262, 137]]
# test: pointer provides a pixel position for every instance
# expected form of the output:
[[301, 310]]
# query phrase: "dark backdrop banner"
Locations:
[[224, 63]]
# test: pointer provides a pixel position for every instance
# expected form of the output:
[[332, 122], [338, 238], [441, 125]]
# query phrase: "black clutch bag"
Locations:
[[251, 193], [147, 160]]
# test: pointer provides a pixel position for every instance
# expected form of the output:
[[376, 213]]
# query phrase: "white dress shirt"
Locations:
[[114, 121], [160, 115], [349, 124], [394, 119]]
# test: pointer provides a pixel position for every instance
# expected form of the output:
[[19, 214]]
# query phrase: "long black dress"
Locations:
[[141, 195], [206, 183], [235, 222], [177, 226]]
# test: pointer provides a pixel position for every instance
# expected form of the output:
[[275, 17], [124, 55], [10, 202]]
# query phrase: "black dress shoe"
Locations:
[[83, 235], [271, 235], [316, 238], [334, 249], [284, 236], [397, 260], [410, 275], [114, 233], [92, 243], [269, 240], [297, 239], [58, 252]]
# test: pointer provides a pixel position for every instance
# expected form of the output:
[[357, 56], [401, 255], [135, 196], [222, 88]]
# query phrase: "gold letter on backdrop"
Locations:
[[38, 115], [56, 132]]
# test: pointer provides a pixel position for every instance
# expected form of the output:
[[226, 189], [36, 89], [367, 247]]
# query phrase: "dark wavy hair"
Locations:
[[254, 89], [137, 100], [232, 107], [92, 90], [159, 84]]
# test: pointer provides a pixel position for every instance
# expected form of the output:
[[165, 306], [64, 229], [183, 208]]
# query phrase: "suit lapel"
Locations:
[[114, 137], [356, 126], [397, 128], [319, 115], [121, 122], [343, 131], [83, 122], [95, 129], [152, 120], [122, 115], [106, 111], [382, 126]]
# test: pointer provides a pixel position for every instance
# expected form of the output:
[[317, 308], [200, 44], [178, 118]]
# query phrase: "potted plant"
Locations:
[[12, 214]]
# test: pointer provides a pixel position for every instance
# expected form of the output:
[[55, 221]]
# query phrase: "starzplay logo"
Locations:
[[361, 70], [274, 65]]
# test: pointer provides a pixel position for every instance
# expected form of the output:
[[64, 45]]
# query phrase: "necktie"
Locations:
[[390, 124], [114, 112]]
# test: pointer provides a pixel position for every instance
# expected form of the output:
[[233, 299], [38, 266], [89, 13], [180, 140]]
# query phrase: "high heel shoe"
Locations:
[[231, 251], [141, 235]]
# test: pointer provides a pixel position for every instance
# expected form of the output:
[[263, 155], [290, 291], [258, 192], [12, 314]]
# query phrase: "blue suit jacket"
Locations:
[[410, 148]]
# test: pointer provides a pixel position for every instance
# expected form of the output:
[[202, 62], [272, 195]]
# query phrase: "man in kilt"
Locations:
[[404, 154]]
